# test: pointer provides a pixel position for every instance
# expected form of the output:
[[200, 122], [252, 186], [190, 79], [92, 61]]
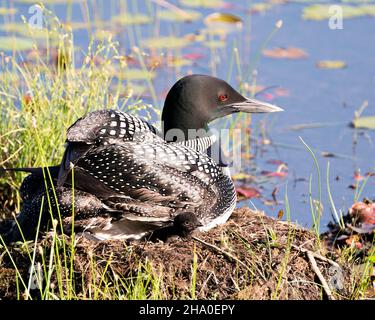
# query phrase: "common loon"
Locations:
[[131, 182]]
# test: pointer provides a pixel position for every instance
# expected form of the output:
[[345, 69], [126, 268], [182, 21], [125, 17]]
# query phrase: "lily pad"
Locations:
[[285, 53], [128, 19], [357, 1], [7, 11], [165, 42], [169, 15], [132, 90], [213, 44], [104, 34], [331, 64], [322, 11], [223, 23], [15, 43], [138, 74], [364, 122], [46, 1], [27, 31], [203, 3], [179, 62], [260, 7]]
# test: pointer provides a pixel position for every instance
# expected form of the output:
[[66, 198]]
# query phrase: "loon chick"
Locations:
[[120, 160], [184, 224]]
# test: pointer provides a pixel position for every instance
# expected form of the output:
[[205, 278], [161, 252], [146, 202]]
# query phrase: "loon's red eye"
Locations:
[[223, 97]]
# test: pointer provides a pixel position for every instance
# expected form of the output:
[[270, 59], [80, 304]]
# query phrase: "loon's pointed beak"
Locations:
[[251, 105]]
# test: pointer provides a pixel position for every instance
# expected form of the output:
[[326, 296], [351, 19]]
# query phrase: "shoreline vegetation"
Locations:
[[252, 256]]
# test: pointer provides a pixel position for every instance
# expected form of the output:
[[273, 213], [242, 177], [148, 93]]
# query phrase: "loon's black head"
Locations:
[[196, 100]]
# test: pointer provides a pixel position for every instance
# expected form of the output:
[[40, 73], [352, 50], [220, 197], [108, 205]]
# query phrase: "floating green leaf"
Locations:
[[179, 62], [132, 90], [47, 1], [176, 16], [128, 19], [165, 42], [260, 7], [15, 43], [96, 23], [331, 64], [26, 31], [357, 1], [323, 11], [213, 44], [203, 3], [222, 18], [364, 122], [7, 11], [223, 23], [103, 34], [138, 74], [309, 1]]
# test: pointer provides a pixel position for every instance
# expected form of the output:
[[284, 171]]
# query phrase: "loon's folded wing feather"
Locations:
[[198, 144], [159, 174]]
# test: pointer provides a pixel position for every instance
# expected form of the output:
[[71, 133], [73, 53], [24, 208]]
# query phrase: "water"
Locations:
[[327, 97]]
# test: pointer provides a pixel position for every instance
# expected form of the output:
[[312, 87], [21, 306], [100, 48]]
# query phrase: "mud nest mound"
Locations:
[[252, 256]]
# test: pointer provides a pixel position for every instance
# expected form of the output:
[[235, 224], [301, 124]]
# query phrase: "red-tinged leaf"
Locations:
[[27, 99], [277, 174], [275, 162], [228, 5], [193, 56], [280, 214], [248, 192], [268, 96], [357, 176], [352, 240], [282, 92], [364, 212]]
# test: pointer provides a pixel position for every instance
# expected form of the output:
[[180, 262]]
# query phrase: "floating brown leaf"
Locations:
[[285, 53]]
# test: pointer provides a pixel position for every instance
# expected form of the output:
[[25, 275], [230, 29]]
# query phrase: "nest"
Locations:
[[252, 256]]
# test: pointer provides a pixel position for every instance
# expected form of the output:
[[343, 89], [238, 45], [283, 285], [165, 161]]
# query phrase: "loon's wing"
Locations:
[[97, 128], [105, 125], [60, 201], [158, 180], [159, 173]]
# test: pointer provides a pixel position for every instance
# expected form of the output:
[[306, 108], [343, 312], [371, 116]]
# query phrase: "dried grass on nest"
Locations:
[[258, 258]]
